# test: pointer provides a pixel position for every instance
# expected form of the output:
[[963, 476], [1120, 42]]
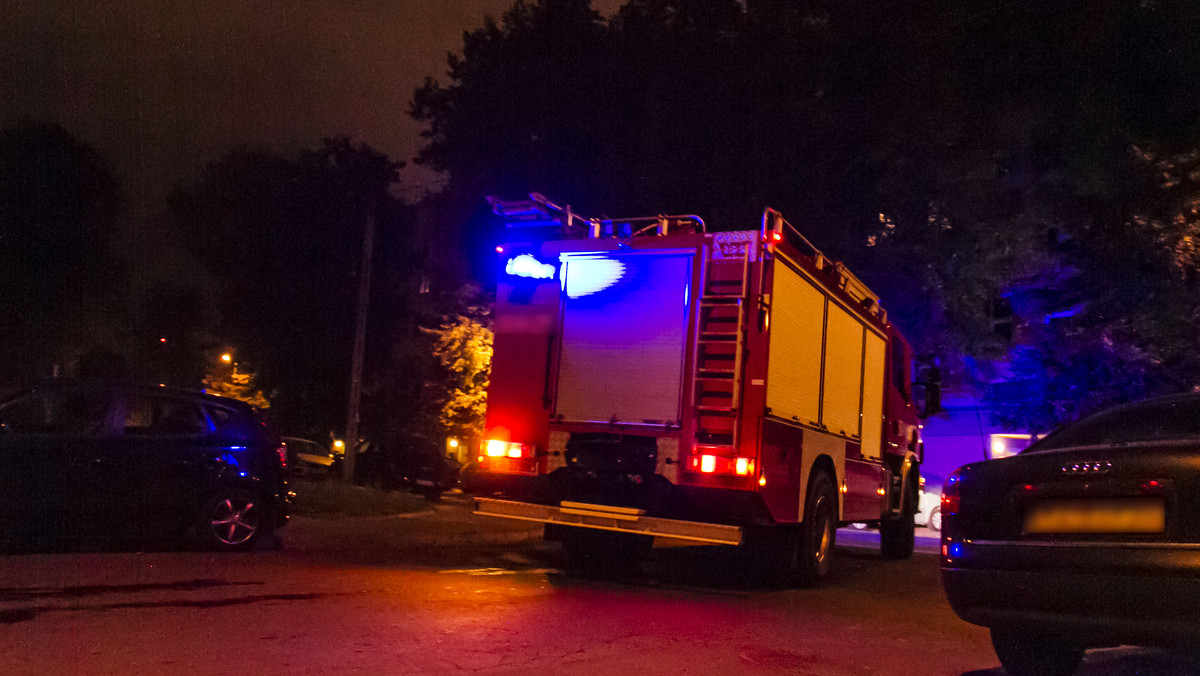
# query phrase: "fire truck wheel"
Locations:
[[798, 555], [897, 537], [817, 532], [597, 551]]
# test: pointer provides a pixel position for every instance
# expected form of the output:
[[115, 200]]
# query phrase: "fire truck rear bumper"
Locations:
[[606, 517]]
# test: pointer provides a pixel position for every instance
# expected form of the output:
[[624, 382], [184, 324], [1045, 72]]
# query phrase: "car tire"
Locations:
[[897, 536], [1025, 653], [935, 520], [231, 521]]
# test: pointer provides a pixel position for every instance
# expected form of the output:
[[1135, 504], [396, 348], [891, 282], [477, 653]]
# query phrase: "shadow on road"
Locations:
[[1127, 661]]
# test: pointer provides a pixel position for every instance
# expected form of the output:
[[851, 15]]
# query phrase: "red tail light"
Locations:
[[495, 448], [1153, 487], [950, 499], [716, 464], [282, 451]]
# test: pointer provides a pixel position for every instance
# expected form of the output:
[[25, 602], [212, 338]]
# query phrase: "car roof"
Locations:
[[133, 386]]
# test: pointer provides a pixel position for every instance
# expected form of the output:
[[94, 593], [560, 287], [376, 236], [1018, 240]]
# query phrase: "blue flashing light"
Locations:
[[229, 459], [586, 276], [956, 550], [525, 265]]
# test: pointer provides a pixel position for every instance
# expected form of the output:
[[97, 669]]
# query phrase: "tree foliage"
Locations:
[[282, 236], [462, 346], [230, 381], [60, 276]]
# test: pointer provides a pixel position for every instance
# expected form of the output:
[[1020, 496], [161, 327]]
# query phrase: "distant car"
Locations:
[[929, 506], [1088, 538], [416, 463], [308, 457], [109, 461]]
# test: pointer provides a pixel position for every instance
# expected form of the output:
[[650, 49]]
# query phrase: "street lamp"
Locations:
[[227, 358]]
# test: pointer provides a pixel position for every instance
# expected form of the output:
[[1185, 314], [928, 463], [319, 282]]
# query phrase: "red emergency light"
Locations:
[[495, 448], [716, 464]]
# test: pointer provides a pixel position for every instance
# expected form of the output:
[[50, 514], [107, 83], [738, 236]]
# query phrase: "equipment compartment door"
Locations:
[[624, 337]]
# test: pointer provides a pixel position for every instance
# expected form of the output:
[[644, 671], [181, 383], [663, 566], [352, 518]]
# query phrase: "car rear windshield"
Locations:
[[1154, 420]]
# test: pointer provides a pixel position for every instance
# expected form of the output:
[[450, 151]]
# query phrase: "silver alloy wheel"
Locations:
[[234, 520]]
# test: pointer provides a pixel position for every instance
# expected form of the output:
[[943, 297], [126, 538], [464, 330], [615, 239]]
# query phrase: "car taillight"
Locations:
[[950, 499], [282, 451], [495, 448]]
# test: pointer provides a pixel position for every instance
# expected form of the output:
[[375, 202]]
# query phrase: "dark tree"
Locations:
[[59, 276], [175, 334], [283, 237]]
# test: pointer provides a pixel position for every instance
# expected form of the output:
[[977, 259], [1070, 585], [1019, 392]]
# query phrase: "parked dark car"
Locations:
[[108, 462], [1088, 538], [415, 463]]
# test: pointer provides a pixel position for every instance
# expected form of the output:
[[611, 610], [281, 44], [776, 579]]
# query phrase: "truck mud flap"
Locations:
[[607, 517]]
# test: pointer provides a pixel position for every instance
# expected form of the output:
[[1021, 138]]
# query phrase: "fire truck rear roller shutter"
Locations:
[[623, 343]]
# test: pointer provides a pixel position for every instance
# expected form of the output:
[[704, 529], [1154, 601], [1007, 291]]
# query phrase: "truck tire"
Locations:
[[596, 551], [897, 536], [797, 555], [818, 532]]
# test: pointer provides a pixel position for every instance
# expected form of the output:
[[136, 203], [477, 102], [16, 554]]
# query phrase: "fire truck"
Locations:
[[651, 379]]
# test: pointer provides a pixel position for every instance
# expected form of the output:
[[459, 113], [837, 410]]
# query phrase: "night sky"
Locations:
[[160, 87]]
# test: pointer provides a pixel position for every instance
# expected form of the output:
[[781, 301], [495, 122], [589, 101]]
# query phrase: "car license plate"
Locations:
[[1128, 515]]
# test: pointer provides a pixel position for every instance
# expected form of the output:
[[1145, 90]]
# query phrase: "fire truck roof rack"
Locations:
[[774, 222], [539, 212]]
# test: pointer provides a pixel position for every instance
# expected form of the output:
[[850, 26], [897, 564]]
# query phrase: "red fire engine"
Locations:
[[651, 379]]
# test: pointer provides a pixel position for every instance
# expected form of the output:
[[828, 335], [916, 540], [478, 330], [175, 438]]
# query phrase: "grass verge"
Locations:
[[338, 500]]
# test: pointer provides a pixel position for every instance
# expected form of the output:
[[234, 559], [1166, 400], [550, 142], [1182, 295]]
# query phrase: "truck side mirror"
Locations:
[[927, 392]]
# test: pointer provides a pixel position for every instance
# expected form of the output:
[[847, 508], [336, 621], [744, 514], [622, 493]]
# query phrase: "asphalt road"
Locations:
[[448, 593]]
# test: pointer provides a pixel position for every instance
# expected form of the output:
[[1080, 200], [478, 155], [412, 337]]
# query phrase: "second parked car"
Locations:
[[1088, 538]]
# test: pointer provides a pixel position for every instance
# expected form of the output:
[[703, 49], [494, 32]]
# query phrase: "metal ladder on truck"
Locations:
[[720, 345]]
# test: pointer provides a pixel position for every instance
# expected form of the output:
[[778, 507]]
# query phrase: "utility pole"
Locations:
[[360, 344]]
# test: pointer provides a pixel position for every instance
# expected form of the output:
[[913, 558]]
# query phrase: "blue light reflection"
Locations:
[[586, 276]]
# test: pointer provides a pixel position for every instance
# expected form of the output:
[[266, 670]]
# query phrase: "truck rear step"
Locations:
[[607, 517]]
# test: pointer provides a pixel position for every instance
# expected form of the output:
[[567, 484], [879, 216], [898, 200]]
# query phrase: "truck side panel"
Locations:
[[797, 334], [518, 388], [782, 459], [841, 396], [863, 481], [874, 376]]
